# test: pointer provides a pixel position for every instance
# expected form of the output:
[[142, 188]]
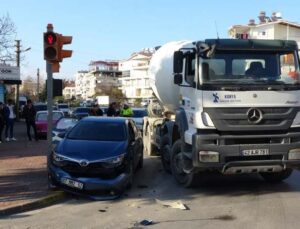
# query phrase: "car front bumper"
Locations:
[[90, 184]]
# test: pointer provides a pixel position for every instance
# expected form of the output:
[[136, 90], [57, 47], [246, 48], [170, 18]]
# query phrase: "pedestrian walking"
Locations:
[[29, 113], [9, 115], [112, 111], [126, 111], [2, 120]]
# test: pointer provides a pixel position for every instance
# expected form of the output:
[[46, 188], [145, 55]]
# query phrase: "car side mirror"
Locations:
[[61, 135], [178, 79], [178, 62]]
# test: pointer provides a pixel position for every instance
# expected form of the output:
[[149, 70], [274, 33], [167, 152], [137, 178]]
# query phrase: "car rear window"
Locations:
[[44, 116], [82, 109], [62, 106], [98, 131], [40, 108]]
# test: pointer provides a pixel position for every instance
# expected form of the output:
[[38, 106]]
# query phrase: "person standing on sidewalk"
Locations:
[[10, 115], [2, 120], [29, 113]]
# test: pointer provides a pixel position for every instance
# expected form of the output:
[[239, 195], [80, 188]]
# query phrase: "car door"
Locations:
[[139, 143], [133, 143]]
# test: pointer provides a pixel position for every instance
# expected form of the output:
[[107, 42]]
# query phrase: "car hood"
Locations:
[[91, 150]]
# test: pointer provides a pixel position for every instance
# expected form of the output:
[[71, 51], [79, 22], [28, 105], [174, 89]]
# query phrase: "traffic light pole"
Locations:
[[49, 102]]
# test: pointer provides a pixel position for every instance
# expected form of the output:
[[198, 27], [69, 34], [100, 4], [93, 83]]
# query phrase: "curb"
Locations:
[[42, 202]]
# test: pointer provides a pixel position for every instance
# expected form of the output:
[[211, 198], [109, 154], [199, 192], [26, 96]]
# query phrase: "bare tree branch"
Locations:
[[7, 37]]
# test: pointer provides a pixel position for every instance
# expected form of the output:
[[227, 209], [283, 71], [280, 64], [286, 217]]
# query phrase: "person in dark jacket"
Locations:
[[2, 120], [10, 115], [96, 110], [112, 111], [29, 115]]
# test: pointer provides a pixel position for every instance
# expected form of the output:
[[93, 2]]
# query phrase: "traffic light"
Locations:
[[51, 47], [64, 40]]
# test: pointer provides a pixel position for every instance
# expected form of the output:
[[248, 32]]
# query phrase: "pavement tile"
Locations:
[[23, 174]]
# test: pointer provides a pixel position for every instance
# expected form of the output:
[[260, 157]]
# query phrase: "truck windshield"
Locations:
[[252, 69]]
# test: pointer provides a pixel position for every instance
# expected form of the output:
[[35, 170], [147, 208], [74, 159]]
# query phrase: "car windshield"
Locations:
[[139, 113], [62, 106], [259, 68], [66, 123], [98, 131], [44, 116]]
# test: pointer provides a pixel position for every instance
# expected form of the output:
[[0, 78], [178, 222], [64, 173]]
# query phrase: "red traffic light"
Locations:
[[50, 38], [51, 46]]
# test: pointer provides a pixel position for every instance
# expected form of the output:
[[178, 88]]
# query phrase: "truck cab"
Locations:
[[238, 110]]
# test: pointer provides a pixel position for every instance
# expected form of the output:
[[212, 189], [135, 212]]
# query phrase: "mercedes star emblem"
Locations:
[[254, 115], [83, 163]]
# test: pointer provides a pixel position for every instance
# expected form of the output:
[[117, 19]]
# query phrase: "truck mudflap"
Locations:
[[226, 155]]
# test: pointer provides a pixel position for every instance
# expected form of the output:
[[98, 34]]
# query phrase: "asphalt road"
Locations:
[[243, 201]]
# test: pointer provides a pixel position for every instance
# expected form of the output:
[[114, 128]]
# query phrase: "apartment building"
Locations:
[[135, 82], [273, 27]]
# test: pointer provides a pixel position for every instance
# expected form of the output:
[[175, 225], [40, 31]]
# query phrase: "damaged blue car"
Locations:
[[97, 157]]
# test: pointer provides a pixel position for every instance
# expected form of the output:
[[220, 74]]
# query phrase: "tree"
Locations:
[[7, 36]]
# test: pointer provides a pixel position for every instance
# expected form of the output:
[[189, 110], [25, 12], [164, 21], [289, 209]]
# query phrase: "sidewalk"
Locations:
[[23, 175]]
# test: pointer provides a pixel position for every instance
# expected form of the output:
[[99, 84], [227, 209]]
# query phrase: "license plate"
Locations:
[[72, 183], [255, 152]]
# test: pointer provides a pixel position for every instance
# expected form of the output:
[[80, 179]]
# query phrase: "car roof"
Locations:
[[105, 119]]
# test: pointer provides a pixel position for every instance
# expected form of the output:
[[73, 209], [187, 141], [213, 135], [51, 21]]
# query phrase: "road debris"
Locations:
[[145, 222], [175, 204]]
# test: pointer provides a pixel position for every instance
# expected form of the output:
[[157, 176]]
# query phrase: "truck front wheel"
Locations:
[[277, 177], [165, 153], [178, 162]]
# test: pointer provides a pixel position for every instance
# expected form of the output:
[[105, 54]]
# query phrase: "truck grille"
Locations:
[[238, 119]]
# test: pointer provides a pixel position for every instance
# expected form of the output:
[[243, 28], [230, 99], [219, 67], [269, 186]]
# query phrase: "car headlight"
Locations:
[[58, 159], [296, 122], [113, 161]]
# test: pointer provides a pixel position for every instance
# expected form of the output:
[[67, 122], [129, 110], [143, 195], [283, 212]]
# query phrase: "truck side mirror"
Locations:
[[177, 79], [178, 62], [205, 71]]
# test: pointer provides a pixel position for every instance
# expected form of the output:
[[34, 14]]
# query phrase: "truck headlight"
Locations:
[[113, 161], [209, 156], [296, 122], [294, 154], [207, 120]]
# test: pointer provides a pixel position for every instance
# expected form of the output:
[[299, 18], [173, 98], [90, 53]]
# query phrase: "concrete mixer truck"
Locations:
[[228, 105]]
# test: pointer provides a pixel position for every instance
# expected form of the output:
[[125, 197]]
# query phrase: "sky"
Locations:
[[113, 29]]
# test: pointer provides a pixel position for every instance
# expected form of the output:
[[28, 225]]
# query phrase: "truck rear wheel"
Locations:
[[165, 153], [277, 177], [184, 178]]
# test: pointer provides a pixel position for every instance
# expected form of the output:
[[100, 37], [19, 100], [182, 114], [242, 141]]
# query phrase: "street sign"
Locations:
[[9, 73]]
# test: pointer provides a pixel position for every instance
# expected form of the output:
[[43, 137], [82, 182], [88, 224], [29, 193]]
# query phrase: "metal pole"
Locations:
[[38, 84], [49, 101], [18, 51]]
